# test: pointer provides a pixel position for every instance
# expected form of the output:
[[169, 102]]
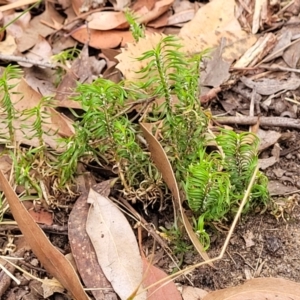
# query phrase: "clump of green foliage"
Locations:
[[213, 172], [137, 30]]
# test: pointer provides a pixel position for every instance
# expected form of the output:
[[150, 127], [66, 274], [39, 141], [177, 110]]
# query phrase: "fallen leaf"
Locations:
[[193, 293], [276, 188], [42, 51], [248, 238], [181, 17], [102, 39], [265, 163], [268, 86], [83, 250], [115, 245], [160, 291], [160, 7], [120, 4], [8, 46], [51, 286], [216, 70], [41, 216], [30, 36], [212, 22], [106, 20], [259, 289], [52, 260], [267, 138]]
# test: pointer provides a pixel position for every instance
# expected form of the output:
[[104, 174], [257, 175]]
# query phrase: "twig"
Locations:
[[264, 121], [45, 64], [276, 67]]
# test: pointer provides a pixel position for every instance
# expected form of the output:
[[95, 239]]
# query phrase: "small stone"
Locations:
[[34, 262], [289, 156]]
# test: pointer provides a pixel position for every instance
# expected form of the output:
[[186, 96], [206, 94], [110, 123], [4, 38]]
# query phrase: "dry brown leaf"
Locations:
[[193, 293], [102, 39], [159, 8], [268, 86], [161, 292], [40, 80], [77, 4], [79, 72], [42, 51], [149, 4], [259, 289], [41, 216], [162, 163], [160, 22], [276, 188], [51, 286], [8, 46], [106, 20], [83, 250], [115, 246], [182, 17], [120, 4], [17, 27], [212, 22], [216, 70], [30, 36], [267, 138], [128, 64], [52, 260]]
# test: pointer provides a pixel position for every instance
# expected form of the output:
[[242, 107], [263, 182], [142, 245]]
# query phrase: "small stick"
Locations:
[[45, 64], [264, 121]]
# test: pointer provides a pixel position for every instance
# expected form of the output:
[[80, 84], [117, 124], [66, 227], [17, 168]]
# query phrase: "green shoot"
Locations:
[[137, 30]]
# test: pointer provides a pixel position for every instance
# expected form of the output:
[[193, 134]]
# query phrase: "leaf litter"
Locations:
[[269, 68]]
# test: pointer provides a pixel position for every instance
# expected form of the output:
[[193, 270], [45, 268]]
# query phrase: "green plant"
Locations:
[[215, 185], [213, 172], [177, 241], [214, 181], [7, 84], [137, 30], [63, 59]]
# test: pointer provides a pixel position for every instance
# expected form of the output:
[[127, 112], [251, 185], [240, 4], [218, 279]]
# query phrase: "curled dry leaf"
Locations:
[[115, 245], [259, 289]]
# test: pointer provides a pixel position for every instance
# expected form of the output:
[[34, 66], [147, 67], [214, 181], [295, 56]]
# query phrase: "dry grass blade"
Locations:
[[52, 260]]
